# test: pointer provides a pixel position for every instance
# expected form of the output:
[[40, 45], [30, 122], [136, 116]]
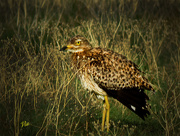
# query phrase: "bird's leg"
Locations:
[[103, 116], [107, 112]]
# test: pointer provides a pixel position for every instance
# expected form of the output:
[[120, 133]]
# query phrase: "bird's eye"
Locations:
[[78, 43]]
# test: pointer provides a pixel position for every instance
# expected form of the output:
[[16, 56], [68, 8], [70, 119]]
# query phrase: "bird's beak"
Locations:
[[70, 46], [63, 48]]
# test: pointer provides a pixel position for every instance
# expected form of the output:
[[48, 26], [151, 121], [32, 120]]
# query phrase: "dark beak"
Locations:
[[63, 48]]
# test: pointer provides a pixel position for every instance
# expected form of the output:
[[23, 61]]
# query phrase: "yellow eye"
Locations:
[[78, 43]]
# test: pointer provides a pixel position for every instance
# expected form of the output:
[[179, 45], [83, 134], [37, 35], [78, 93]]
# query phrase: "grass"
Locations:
[[39, 93]]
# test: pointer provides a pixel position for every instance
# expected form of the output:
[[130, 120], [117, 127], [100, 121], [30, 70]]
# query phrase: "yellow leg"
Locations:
[[107, 112], [103, 116]]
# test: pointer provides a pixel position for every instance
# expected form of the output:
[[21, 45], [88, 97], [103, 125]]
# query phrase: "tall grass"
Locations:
[[41, 95]]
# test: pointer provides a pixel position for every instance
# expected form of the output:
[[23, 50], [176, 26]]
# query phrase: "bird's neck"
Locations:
[[80, 58]]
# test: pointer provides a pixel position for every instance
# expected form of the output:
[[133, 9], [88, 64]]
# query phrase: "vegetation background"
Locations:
[[39, 93]]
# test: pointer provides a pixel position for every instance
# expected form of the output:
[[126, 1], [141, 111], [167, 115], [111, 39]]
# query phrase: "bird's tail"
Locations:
[[133, 98]]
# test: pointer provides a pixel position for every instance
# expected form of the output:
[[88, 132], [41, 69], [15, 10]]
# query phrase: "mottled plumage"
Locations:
[[107, 73]]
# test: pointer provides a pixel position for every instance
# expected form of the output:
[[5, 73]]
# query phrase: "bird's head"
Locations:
[[77, 44]]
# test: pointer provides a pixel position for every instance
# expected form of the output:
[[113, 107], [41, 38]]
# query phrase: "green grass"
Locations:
[[37, 84]]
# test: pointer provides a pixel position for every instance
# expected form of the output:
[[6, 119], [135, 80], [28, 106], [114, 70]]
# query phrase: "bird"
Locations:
[[106, 73]]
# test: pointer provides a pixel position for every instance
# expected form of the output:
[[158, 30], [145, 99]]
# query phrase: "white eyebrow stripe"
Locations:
[[78, 40]]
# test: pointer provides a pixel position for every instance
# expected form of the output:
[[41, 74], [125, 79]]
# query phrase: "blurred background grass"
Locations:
[[39, 93]]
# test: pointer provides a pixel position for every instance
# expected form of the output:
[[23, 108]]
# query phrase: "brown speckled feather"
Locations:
[[110, 70]]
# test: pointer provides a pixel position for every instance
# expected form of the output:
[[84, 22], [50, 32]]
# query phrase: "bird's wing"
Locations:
[[115, 72], [122, 80]]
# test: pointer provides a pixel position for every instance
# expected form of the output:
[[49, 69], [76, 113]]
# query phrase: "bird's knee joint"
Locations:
[[107, 106]]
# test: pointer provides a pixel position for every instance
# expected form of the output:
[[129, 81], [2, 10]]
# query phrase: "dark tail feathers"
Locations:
[[133, 98]]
